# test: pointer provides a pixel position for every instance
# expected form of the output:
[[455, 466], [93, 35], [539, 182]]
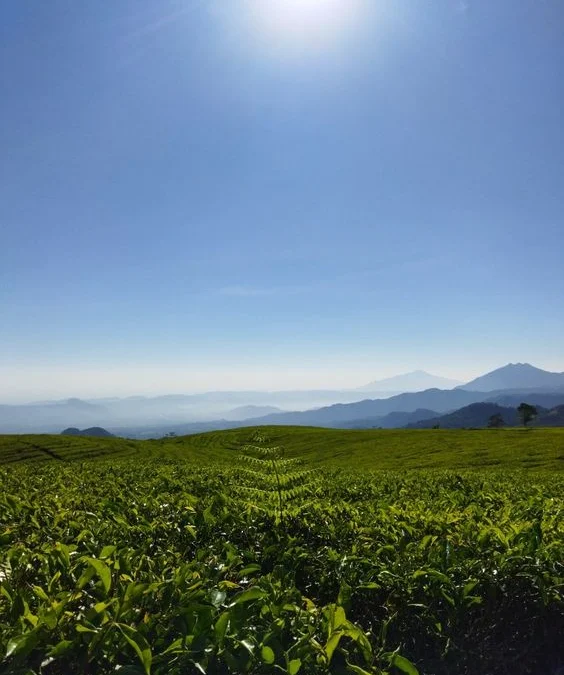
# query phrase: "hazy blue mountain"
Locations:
[[394, 420], [158, 415], [51, 416], [246, 412], [516, 376], [473, 415], [160, 411], [478, 415], [551, 418], [418, 380], [433, 399], [92, 431], [533, 397]]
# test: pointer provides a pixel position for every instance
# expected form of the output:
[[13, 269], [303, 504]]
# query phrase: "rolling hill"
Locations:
[[91, 431], [353, 449]]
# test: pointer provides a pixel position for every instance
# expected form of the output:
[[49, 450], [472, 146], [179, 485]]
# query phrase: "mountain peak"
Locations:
[[516, 376], [416, 380]]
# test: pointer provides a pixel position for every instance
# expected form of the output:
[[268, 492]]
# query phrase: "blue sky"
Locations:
[[200, 195]]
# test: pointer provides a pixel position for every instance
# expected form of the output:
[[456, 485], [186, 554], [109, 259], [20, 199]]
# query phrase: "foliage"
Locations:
[[167, 566], [496, 421], [271, 482], [526, 413]]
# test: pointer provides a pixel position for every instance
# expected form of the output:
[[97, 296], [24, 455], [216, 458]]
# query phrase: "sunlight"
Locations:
[[304, 23]]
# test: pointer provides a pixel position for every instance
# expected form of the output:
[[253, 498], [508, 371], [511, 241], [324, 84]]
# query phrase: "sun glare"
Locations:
[[310, 24]]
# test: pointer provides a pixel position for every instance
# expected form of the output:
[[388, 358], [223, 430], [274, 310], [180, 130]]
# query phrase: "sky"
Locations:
[[200, 195]]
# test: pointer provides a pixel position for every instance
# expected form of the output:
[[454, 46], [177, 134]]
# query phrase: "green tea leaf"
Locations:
[[403, 664], [23, 644], [267, 654], [332, 643], [139, 644], [250, 594], [103, 571], [294, 666]]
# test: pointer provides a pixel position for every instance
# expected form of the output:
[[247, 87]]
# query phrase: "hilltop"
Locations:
[[91, 431]]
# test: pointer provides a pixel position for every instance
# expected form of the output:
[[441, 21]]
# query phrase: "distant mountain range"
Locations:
[[140, 416], [418, 380], [439, 400]]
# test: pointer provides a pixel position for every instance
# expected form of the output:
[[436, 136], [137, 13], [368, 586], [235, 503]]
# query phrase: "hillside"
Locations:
[[395, 420], [551, 418], [358, 449], [516, 376], [475, 415]]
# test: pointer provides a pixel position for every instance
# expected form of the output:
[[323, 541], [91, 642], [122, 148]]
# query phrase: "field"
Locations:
[[361, 449], [289, 550]]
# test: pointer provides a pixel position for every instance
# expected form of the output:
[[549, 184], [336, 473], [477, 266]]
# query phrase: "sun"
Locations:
[[303, 23]]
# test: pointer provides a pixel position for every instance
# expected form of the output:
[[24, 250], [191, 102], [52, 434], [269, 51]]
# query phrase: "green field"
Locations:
[[362, 449], [284, 550]]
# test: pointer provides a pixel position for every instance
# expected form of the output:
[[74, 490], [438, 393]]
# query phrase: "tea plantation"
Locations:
[[284, 550]]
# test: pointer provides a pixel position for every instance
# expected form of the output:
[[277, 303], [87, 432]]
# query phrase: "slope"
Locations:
[[365, 449]]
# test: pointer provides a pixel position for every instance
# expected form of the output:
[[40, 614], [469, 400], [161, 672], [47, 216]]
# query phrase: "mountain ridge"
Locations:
[[515, 376], [416, 380]]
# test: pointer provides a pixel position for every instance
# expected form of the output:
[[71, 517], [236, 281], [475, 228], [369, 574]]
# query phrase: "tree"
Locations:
[[496, 421], [526, 413]]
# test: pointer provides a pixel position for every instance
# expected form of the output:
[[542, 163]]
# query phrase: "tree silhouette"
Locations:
[[526, 413], [496, 421]]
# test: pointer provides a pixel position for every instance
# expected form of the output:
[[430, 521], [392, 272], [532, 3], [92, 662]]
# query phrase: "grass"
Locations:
[[361, 449]]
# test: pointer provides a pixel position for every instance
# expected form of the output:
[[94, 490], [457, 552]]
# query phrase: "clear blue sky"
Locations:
[[200, 194]]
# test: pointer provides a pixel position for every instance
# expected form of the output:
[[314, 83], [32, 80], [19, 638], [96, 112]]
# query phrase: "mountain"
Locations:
[[551, 418], [245, 412], [51, 416], [136, 412], [512, 400], [478, 415], [92, 431], [418, 380], [394, 420], [433, 399], [473, 415], [516, 376]]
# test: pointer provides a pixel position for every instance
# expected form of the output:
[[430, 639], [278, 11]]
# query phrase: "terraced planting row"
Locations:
[[43, 447], [400, 449]]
